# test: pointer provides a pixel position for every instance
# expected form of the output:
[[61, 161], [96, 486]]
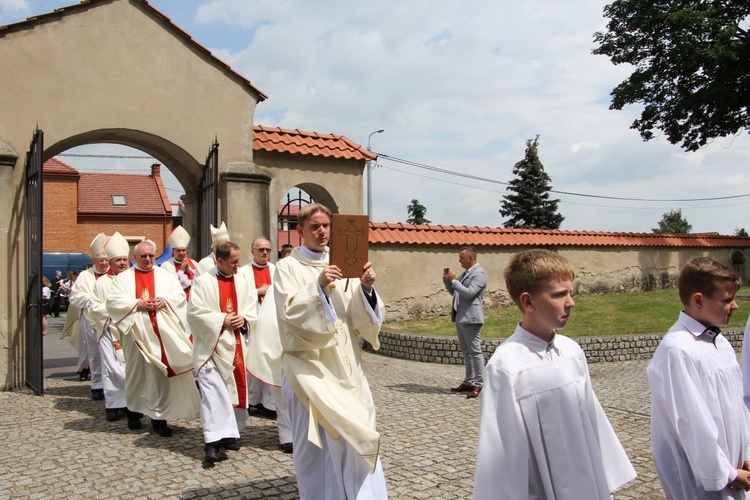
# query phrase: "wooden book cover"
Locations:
[[349, 243]]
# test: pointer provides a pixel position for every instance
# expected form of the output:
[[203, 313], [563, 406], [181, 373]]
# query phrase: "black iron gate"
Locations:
[[208, 200], [287, 217], [33, 210]]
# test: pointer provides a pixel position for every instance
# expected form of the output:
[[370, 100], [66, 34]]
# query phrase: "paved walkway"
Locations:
[[60, 445]]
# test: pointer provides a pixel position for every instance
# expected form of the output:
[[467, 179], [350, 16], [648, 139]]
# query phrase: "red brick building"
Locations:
[[80, 205]]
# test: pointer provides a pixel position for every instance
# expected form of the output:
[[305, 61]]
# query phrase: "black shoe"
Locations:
[[161, 428], [214, 454], [262, 412], [287, 447], [134, 420], [97, 394], [112, 414], [84, 374], [231, 444]]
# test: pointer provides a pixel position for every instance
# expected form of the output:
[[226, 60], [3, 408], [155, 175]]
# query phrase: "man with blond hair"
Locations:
[[321, 320]]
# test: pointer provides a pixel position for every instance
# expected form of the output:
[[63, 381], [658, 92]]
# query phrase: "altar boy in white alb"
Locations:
[[542, 431], [321, 318], [222, 306], [700, 428]]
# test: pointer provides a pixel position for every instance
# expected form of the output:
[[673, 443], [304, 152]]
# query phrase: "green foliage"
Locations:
[[690, 60], [741, 232], [416, 212], [673, 222], [594, 315], [528, 205]]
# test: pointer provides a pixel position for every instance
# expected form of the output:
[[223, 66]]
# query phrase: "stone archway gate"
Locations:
[[113, 71]]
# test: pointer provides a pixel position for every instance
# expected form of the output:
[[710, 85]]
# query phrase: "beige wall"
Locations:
[[334, 183], [410, 276], [110, 73]]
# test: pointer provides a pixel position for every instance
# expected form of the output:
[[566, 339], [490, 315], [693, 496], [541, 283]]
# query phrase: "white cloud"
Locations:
[[462, 86]]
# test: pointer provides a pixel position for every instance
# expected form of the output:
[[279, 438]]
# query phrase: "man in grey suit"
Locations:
[[468, 291]]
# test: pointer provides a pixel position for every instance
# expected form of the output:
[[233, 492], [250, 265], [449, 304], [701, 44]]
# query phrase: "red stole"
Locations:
[[262, 277], [228, 304], [145, 289]]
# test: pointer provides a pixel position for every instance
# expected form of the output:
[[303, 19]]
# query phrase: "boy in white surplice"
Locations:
[[542, 432], [700, 428]]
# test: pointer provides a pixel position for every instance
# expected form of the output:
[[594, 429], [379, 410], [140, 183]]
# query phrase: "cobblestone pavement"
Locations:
[[60, 445]]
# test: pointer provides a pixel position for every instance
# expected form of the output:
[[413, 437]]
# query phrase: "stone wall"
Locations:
[[436, 349], [410, 276]]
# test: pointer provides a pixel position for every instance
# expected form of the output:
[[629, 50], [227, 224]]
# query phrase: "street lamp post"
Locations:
[[369, 175]]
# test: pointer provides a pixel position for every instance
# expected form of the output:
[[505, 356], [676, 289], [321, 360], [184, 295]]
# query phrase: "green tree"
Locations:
[[673, 222], [528, 205], [416, 212], [740, 231], [690, 60]]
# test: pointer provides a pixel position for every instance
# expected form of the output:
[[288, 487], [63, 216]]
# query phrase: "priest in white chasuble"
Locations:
[[264, 350], [321, 320], [110, 350], [221, 309], [78, 328], [148, 308], [180, 263]]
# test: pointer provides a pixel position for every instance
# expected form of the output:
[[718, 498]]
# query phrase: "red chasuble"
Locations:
[[262, 277], [228, 304], [145, 289]]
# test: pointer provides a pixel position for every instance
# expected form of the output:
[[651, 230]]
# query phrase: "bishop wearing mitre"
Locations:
[[180, 263], [147, 308]]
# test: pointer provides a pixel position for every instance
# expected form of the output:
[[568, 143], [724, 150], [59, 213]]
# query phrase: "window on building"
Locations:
[[119, 200]]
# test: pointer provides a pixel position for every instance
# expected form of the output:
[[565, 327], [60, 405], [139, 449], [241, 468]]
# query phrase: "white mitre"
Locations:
[[220, 235], [179, 238], [97, 246], [117, 246]]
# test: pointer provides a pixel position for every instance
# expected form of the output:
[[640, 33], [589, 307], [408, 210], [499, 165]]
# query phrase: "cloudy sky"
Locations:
[[461, 86]]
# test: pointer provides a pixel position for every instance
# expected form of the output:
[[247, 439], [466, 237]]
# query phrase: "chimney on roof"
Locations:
[[155, 170]]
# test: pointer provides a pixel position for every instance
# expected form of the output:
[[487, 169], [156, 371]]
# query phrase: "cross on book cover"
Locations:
[[349, 243]]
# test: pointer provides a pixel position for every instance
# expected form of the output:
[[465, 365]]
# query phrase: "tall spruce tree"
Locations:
[[416, 212], [528, 205]]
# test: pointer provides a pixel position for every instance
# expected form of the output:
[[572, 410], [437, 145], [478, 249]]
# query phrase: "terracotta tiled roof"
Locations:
[[292, 210], [55, 167], [291, 237], [281, 140], [143, 193], [410, 234], [157, 14]]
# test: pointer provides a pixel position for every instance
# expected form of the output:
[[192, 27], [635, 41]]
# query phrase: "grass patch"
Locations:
[[594, 315]]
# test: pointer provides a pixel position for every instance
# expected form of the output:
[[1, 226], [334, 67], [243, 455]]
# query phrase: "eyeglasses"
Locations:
[[147, 256], [263, 249]]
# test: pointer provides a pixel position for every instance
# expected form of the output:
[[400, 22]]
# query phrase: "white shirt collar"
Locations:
[[313, 255], [534, 343]]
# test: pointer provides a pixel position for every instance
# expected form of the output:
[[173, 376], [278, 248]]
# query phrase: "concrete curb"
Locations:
[[437, 349]]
